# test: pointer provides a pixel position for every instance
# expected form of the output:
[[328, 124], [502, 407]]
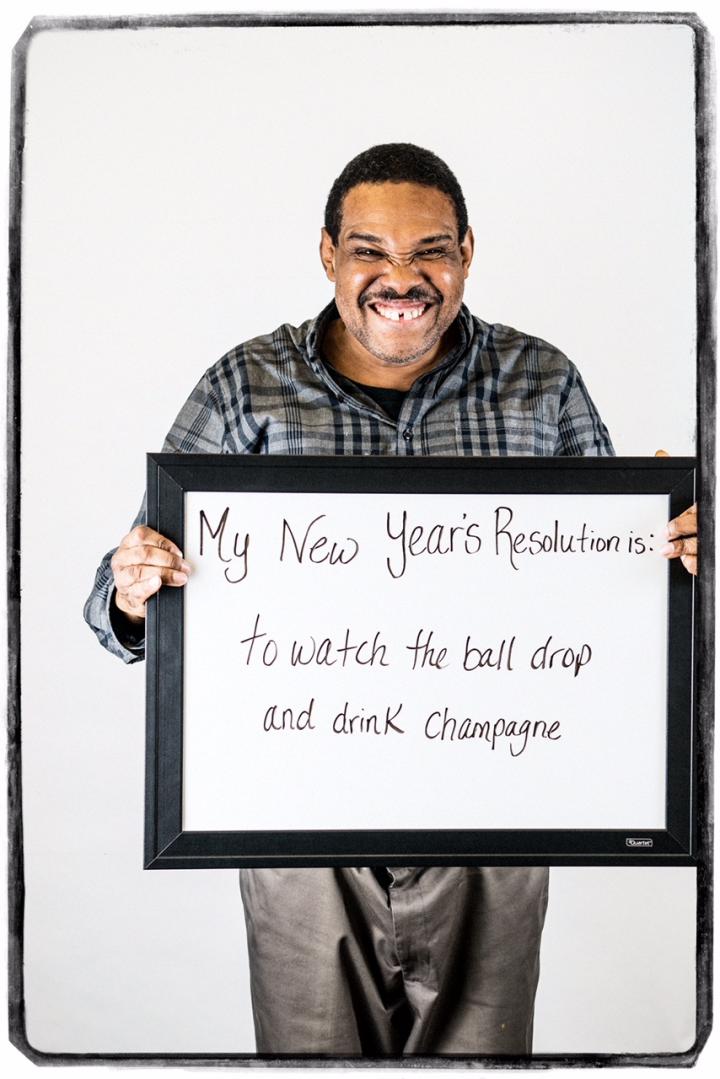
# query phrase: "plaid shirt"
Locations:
[[498, 392]]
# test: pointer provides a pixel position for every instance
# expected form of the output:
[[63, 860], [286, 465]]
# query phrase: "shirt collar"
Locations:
[[316, 332]]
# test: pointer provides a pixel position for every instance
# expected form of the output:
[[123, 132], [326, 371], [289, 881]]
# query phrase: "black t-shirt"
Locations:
[[389, 400]]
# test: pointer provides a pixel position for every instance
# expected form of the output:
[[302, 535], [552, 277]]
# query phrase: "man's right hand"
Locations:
[[144, 562]]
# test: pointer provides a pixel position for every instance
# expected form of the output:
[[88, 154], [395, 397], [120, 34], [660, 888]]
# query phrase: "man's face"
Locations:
[[399, 269]]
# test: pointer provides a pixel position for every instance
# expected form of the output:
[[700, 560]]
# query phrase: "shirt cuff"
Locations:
[[129, 635]]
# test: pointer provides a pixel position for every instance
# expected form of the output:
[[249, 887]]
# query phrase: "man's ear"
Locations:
[[467, 248], [327, 253]]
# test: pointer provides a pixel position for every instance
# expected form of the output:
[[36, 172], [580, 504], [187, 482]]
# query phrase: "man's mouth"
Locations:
[[400, 310]]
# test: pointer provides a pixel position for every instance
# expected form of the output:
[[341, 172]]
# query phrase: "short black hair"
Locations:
[[395, 162]]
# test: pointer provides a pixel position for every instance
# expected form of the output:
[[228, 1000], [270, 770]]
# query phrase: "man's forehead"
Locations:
[[376, 212]]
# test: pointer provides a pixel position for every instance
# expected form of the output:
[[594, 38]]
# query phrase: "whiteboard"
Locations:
[[379, 658], [369, 661]]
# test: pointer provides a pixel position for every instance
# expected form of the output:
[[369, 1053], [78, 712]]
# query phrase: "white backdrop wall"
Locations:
[[174, 188]]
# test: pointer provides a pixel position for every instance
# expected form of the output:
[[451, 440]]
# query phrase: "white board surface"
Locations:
[[317, 694]]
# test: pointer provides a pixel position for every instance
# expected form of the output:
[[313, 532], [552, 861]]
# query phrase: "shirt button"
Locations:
[[407, 434]]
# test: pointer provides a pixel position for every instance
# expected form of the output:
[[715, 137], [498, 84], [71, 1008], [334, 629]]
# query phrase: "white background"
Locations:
[[138, 404]]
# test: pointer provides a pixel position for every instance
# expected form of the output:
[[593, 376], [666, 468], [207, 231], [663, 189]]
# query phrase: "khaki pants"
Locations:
[[378, 962]]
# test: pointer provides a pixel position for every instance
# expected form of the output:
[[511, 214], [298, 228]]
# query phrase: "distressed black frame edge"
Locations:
[[170, 476], [49, 23], [684, 1058], [706, 372], [16, 866], [706, 278]]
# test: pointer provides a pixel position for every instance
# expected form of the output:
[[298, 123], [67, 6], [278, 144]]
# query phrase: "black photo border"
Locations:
[[704, 632], [167, 846]]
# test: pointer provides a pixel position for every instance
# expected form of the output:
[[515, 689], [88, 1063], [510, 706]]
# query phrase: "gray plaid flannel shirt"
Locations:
[[498, 392]]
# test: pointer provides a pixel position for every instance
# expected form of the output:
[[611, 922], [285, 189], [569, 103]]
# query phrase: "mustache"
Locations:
[[416, 294]]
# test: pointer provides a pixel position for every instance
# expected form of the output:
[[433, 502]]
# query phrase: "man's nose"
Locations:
[[402, 275]]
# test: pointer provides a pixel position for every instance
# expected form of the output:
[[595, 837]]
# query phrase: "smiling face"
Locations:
[[399, 272]]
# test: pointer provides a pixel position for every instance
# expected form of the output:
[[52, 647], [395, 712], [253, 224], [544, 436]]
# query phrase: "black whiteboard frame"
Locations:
[[167, 846]]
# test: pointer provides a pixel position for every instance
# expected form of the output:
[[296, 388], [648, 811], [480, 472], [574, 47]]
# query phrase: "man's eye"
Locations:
[[432, 253], [368, 253]]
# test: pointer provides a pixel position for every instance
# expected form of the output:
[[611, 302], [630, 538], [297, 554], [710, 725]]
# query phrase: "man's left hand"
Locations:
[[682, 535]]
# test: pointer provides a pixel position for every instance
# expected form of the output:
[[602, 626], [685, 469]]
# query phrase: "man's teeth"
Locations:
[[400, 314]]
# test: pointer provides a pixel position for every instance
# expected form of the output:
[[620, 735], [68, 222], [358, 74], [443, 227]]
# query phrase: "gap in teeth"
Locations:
[[400, 316]]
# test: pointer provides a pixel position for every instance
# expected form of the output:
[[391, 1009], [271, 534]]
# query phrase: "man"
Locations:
[[399, 960]]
